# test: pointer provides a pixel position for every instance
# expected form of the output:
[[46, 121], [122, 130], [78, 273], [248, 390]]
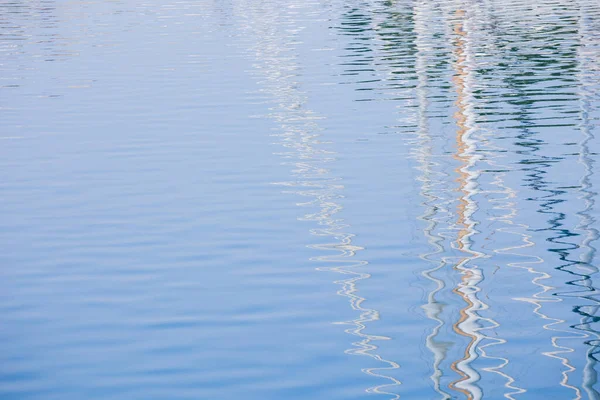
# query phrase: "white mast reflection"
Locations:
[[588, 58], [470, 323], [276, 35], [467, 325], [435, 205]]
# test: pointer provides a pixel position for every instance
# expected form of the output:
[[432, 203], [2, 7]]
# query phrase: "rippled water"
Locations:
[[302, 199]]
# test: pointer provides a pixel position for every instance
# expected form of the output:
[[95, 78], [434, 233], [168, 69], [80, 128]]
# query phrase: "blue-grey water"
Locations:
[[299, 199]]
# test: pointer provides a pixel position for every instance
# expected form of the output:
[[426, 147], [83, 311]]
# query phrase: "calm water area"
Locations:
[[301, 199]]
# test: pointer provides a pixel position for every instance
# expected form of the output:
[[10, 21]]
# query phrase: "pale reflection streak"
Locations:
[[487, 145], [435, 205], [587, 61], [277, 64], [507, 204], [467, 325], [590, 312]]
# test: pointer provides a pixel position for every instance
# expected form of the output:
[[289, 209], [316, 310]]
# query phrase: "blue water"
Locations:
[[299, 200]]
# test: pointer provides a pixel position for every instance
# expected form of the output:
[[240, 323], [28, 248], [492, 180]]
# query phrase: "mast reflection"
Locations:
[[590, 313], [312, 179], [471, 275]]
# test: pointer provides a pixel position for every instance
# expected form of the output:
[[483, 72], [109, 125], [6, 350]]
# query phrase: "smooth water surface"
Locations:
[[299, 199]]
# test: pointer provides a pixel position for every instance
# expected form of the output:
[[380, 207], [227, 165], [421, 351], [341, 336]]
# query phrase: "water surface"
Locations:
[[302, 199]]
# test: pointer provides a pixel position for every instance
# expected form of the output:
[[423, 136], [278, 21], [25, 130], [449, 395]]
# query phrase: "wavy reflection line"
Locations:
[[509, 204], [482, 13], [536, 169], [546, 195], [434, 205], [506, 203], [275, 52], [467, 325], [538, 299], [587, 223], [586, 65], [586, 290]]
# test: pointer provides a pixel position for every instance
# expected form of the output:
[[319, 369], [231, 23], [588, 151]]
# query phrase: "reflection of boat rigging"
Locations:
[[312, 180], [471, 275], [536, 165], [433, 202], [391, 54], [470, 323], [590, 313]]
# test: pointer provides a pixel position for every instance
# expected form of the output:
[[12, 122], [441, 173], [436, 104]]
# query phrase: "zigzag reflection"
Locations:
[[436, 205], [472, 139], [508, 203], [276, 34], [471, 275], [537, 164], [381, 63], [587, 62]]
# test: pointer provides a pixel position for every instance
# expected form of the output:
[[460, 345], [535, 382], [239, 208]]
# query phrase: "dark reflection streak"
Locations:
[[490, 100], [536, 169], [564, 237], [356, 25], [17, 32]]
